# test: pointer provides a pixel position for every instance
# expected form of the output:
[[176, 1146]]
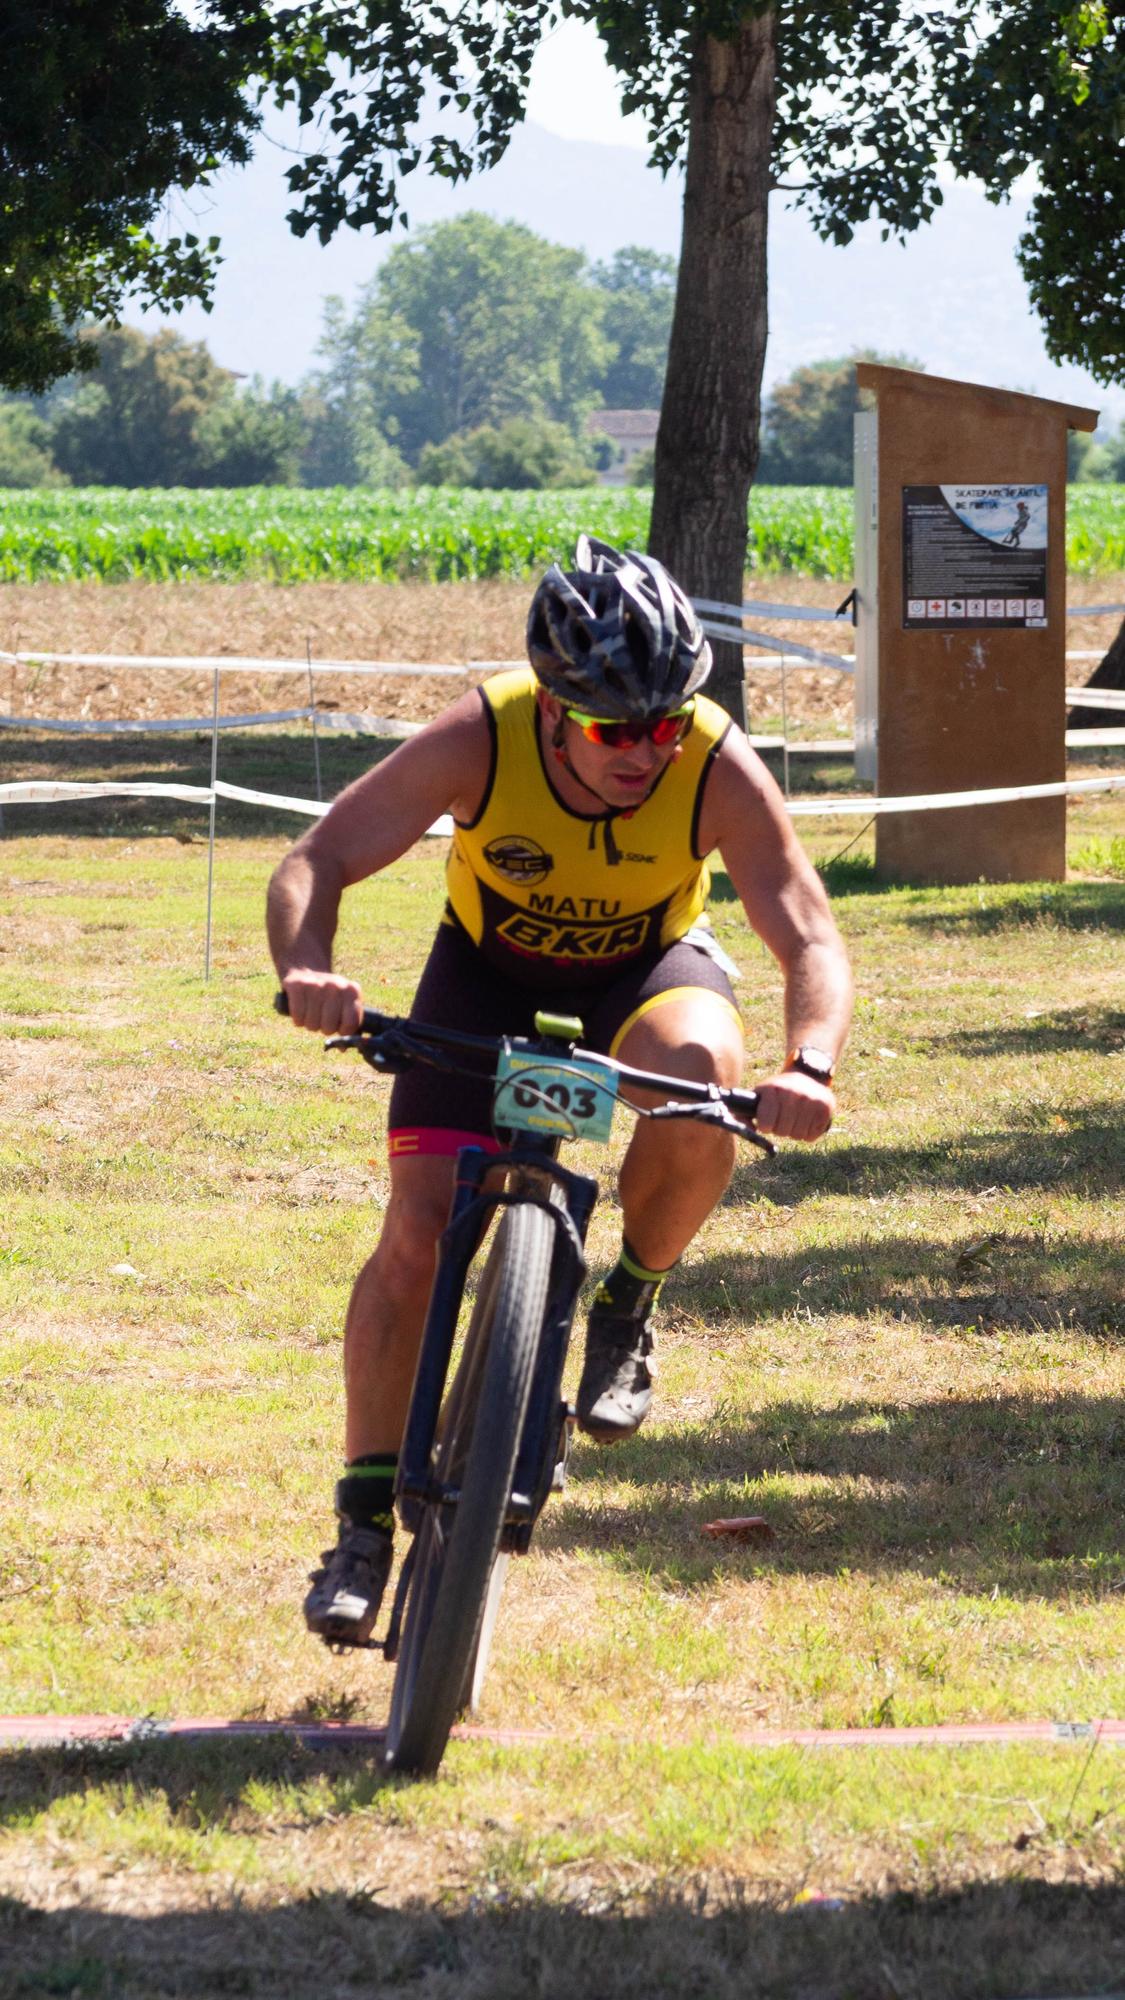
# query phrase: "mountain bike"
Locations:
[[481, 1456]]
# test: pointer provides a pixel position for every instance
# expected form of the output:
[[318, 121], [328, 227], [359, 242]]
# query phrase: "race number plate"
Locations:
[[564, 1097]]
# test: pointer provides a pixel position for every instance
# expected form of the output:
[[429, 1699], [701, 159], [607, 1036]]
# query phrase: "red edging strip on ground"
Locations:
[[28, 1731]]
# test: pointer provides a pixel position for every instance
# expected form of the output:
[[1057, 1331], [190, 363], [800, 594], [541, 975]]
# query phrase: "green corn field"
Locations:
[[437, 535]]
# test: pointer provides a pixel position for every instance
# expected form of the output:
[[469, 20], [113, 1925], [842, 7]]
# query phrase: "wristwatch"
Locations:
[[811, 1061]]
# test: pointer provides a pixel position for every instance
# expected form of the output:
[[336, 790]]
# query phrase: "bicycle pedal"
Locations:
[[341, 1647]]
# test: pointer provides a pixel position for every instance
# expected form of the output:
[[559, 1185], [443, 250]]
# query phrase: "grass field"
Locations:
[[904, 1348]]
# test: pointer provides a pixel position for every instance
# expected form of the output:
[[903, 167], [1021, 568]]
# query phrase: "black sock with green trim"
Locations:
[[365, 1495], [631, 1289]]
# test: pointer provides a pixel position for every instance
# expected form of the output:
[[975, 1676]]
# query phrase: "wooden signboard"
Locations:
[[961, 583]]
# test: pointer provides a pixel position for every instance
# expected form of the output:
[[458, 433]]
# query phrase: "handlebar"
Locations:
[[390, 1044]]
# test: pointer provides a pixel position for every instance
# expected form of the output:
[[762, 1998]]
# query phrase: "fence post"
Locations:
[[211, 821], [312, 718]]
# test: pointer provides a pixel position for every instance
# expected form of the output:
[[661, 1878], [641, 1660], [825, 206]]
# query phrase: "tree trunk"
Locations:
[[1109, 674], [707, 444]]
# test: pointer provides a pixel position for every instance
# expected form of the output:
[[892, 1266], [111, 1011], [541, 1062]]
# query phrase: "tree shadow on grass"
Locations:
[[1014, 1493], [278, 762], [203, 1780], [1079, 1151], [842, 875], [1086, 1028], [1073, 906], [581, 1941], [998, 1281]]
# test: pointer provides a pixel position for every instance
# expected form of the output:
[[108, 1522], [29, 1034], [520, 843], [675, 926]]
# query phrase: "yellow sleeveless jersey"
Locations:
[[548, 893]]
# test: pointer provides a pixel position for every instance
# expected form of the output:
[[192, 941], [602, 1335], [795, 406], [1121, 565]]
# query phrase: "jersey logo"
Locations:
[[520, 859], [548, 937]]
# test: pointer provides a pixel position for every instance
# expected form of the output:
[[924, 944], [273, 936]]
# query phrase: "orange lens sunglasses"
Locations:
[[659, 729]]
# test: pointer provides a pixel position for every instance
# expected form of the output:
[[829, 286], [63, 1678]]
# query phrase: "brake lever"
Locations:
[[716, 1113], [389, 1061]]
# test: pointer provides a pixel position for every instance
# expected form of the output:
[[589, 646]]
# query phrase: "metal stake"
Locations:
[[312, 718], [211, 827]]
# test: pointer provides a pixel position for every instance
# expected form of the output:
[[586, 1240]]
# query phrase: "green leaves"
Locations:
[[140, 97], [471, 323], [101, 111], [807, 428], [1045, 88]]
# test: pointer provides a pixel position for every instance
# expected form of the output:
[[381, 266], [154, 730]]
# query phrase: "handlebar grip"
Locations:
[[373, 1023], [745, 1101]]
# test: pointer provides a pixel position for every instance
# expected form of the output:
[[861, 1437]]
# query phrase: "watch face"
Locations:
[[812, 1062]]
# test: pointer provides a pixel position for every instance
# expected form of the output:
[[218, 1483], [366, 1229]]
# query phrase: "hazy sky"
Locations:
[[574, 92]]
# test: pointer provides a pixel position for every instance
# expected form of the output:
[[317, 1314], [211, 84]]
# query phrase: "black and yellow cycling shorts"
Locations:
[[436, 1113]]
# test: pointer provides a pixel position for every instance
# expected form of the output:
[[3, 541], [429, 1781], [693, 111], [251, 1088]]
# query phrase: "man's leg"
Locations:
[[673, 1174], [388, 1305], [671, 1178], [381, 1337]]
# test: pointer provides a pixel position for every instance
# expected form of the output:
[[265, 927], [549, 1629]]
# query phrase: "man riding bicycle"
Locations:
[[586, 792]]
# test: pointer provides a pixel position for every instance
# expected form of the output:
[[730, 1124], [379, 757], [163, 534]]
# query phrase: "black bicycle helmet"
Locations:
[[615, 635]]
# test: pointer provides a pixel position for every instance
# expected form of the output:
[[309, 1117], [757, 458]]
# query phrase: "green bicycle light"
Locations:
[[560, 1027]]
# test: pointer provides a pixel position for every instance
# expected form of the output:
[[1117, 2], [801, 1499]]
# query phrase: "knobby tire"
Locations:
[[481, 1430]]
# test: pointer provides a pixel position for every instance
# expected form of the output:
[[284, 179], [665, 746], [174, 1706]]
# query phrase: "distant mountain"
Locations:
[[951, 297]]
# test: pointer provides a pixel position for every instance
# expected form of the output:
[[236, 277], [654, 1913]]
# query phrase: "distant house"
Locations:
[[630, 432]]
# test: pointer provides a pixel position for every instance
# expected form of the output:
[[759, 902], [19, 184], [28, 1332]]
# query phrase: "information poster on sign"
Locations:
[[974, 555]]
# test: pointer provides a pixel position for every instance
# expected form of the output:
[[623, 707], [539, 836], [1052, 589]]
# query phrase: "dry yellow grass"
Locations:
[[436, 624], [904, 1348]]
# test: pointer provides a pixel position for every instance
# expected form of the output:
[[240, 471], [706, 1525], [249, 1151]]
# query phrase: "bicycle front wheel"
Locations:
[[456, 1547]]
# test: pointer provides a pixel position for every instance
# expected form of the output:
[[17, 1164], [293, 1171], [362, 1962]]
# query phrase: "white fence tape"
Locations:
[[49, 790], [325, 718], [238, 663], [1088, 697], [231, 663], [394, 726], [55, 791], [151, 725], [792, 652], [759, 608], [942, 801]]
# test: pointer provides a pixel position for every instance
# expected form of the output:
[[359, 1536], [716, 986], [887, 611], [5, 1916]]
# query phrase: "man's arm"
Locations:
[[744, 816], [445, 768]]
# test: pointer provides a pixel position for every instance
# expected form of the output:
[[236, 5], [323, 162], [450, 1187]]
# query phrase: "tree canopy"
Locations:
[[852, 109], [104, 106], [475, 324], [474, 321], [141, 97], [160, 412], [639, 288], [25, 448], [1045, 90], [808, 422], [473, 356], [521, 453]]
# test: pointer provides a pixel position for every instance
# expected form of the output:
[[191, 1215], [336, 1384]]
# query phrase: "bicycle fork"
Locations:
[[544, 1441]]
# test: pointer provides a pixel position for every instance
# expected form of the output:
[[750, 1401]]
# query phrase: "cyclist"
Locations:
[[586, 792]]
